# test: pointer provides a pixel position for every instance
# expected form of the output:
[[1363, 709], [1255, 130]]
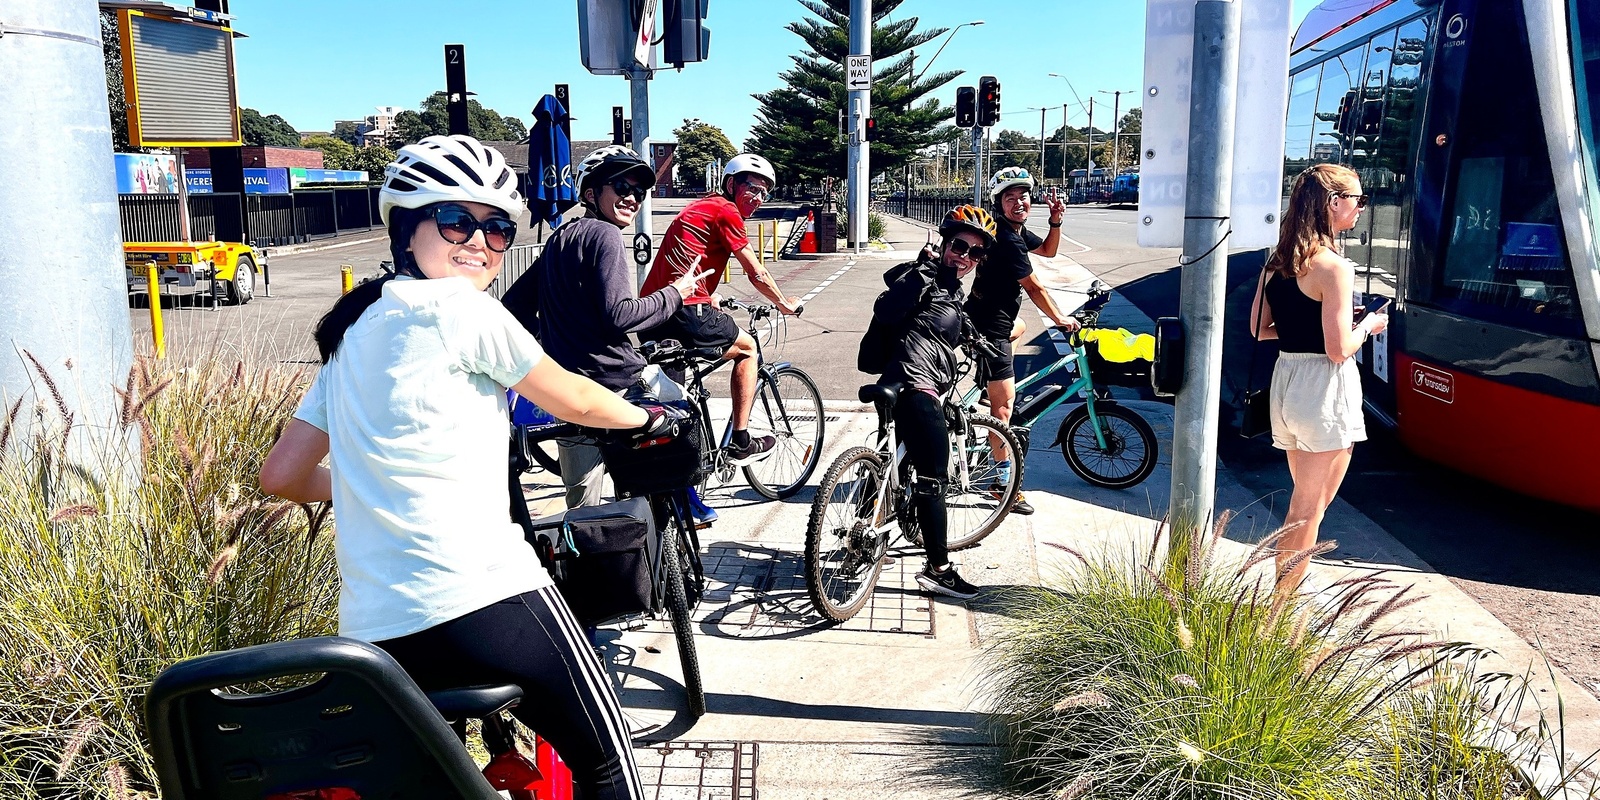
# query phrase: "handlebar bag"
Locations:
[[602, 558], [639, 469], [1120, 358]]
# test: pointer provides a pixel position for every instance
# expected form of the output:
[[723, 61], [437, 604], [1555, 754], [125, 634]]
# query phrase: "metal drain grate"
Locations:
[[699, 770], [750, 591]]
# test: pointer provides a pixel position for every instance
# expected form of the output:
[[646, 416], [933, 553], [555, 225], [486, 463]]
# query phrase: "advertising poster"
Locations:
[[303, 175], [257, 180], [145, 173]]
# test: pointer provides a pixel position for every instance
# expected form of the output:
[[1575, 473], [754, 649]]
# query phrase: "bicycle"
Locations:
[[331, 718], [677, 576], [1104, 443], [787, 407], [863, 506]]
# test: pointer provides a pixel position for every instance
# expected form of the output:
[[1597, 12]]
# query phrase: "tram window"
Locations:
[[1505, 257], [1340, 76], [1586, 49], [1369, 242]]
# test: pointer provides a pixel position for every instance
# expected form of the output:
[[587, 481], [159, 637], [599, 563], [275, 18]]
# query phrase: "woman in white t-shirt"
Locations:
[[410, 408]]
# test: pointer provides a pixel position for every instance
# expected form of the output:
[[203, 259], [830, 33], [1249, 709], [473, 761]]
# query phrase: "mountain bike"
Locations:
[[863, 503], [787, 407], [677, 575], [1105, 443]]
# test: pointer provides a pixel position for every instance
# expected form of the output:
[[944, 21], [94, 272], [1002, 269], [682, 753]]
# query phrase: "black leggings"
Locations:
[[533, 641], [920, 425]]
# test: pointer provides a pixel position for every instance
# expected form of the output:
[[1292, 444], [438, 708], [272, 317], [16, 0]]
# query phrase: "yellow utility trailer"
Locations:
[[229, 269]]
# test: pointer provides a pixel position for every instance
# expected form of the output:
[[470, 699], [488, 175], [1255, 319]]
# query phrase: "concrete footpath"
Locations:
[[893, 702]]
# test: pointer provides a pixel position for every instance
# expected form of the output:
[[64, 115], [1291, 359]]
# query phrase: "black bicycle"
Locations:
[[787, 407], [677, 575]]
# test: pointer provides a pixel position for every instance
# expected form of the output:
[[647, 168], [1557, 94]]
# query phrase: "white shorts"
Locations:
[[1316, 404]]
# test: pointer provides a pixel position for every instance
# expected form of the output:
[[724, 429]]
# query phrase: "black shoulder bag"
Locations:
[[1257, 402]]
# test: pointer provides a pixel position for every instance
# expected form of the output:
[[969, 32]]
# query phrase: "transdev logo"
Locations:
[[1434, 383]]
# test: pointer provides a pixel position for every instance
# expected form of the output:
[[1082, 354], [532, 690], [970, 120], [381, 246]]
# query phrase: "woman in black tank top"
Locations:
[[1304, 300]]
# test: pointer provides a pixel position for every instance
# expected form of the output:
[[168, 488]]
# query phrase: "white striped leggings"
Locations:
[[533, 641]]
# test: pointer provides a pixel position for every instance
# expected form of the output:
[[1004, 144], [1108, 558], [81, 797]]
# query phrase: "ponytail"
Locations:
[[349, 308]]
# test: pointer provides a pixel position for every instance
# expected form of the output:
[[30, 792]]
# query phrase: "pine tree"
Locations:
[[799, 128]]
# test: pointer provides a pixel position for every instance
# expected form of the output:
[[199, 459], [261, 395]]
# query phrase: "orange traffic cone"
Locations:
[[808, 240]]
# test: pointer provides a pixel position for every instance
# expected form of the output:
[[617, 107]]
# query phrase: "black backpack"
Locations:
[[909, 287]]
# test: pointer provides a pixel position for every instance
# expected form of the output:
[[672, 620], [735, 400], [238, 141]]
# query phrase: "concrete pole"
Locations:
[[639, 86], [1066, 174], [1214, 94], [1116, 133], [1041, 147], [1088, 175], [977, 166], [63, 292], [860, 107]]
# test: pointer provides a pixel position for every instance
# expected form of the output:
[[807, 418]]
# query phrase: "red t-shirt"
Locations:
[[710, 227]]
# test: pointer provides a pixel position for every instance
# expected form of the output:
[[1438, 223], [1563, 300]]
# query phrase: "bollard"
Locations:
[[347, 278], [153, 283]]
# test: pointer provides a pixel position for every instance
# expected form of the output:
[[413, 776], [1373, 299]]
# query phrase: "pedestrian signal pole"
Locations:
[[1202, 289], [455, 87]]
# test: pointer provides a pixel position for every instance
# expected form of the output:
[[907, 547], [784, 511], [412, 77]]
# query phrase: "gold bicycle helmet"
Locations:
[[971, 218]]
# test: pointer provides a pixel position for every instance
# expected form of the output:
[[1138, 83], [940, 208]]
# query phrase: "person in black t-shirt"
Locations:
[[997, 290]]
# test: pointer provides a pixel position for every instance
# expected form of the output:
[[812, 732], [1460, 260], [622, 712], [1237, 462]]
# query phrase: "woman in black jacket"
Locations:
[[923, 310]]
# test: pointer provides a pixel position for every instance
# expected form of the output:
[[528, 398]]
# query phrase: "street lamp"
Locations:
[[911, 63], [1116, 129]]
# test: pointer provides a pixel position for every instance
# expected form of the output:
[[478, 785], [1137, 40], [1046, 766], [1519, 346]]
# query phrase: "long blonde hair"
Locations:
[[1308, 224]]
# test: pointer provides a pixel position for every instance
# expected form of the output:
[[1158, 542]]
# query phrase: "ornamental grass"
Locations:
[[1145, 675], [113, 567]]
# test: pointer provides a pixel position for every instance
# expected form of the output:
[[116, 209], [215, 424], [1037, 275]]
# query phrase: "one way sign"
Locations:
[[858, 72]]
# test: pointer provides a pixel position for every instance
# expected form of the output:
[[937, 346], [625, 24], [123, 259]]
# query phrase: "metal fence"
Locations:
[[270, 219], [518, 259], [928, 205]]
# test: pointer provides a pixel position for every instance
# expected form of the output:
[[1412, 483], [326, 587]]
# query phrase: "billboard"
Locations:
[[178, 78], [257, 180], [143, 173], [303, 175]]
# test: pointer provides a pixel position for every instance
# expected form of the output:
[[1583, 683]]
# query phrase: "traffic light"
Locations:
[[988, 101], [966, 107], [872, 129], [685, 37]]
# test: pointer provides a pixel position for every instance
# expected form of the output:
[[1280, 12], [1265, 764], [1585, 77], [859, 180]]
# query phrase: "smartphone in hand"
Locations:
[[1376, 304]]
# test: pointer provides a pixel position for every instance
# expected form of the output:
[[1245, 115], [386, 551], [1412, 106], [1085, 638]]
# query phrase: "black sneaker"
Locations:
[[948, 583], [757, 449], [1021, 506]]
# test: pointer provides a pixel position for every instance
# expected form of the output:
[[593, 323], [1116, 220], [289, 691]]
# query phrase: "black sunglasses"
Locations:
[[1361, 199], [624, 187], [961, 248], [457, 225]]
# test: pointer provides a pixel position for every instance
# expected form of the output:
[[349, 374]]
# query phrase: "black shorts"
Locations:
[[997, 368], [696, 326]]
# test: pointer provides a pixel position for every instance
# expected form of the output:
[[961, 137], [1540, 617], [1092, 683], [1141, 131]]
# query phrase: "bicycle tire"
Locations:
[[675, 567], [857, 463], [799, 445], [1126, 433], [547, 462], [976, 508]]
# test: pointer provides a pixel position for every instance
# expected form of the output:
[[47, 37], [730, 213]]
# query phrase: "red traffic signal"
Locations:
[[988, 101], [872, 129]]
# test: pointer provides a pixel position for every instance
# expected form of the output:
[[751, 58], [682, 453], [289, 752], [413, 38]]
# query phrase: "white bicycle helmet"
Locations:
[[1007, 178], [442, 169], [751, 163], [611, 161]]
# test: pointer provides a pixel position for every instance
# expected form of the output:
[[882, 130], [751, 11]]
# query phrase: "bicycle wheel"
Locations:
[[547, 459], [977, 498], [677, 566], [1130, 452], [843, 546], [789, 409]]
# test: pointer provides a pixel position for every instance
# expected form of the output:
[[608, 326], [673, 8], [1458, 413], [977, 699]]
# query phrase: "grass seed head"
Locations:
[[81, 734], [1190, 753], [1093, 698], [1077, 789]]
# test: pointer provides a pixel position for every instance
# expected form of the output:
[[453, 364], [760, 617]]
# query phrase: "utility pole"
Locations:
[[1116, 132], [977, 166], [78, 327], [860, 100], [1207, 207], [1088, 176], [1041, 146], [1065, 175], [639, 86]]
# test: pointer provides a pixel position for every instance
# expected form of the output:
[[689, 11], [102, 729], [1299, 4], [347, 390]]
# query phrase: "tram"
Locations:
[[1473, 126]]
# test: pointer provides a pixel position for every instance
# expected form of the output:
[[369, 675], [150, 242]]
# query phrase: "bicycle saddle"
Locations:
[[475, 702], [880, 395], [360, 724]]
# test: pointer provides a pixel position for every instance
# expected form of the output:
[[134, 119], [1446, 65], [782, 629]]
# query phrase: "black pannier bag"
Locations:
[[601, 558], [639, 469]]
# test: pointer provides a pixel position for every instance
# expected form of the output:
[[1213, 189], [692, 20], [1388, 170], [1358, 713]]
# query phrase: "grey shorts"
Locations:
[[1316, 404]]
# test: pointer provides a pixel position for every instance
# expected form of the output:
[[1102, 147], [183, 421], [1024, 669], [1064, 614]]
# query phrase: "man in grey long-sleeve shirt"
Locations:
[[579, 299]]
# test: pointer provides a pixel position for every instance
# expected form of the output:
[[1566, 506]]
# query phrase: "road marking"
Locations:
[[828, 281], [1085, 248]]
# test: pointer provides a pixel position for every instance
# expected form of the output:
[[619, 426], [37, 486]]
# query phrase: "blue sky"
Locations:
[[315, 61]]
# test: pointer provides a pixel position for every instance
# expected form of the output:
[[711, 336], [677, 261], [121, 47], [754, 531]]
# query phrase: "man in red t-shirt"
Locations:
[[703, 237]]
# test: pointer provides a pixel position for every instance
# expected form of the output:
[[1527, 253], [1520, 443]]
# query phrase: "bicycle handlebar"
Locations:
[[757, 311]]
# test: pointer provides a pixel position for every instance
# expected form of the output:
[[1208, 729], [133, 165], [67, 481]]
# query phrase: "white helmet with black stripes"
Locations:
[[443, 169]]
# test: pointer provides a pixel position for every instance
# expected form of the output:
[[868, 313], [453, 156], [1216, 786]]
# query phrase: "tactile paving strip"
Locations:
[[698, 770], [751, 591]]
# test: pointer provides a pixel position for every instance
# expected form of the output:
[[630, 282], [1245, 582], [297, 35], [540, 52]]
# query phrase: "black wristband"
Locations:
[[1055, 224]]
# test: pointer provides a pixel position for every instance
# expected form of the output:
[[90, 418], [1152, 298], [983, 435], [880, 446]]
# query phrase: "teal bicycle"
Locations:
[[1105, 443]]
